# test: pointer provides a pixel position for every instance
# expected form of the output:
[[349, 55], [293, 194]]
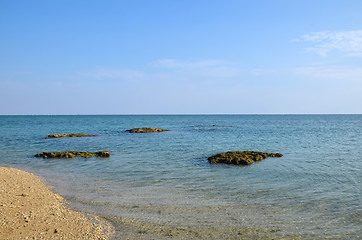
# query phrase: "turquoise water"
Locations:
[[160, 185]]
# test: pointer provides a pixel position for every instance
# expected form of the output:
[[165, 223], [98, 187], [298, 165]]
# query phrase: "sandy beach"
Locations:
[[29, 210]]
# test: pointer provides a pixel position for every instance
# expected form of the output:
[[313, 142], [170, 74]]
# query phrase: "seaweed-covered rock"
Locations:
[[146, 130], [241, 157], [68, 135], [71, 154]]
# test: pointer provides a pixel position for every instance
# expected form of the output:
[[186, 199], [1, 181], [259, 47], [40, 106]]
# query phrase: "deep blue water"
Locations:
[[313, 191]]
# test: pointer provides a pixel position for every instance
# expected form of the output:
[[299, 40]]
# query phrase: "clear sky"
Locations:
[[180, 56]]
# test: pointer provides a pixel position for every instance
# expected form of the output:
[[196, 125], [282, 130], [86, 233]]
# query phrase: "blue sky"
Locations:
[[179, 57]]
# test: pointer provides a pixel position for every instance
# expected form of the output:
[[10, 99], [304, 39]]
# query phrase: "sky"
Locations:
[[180, 57]]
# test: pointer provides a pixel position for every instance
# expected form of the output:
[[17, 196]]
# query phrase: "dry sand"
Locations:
[[29, 210]]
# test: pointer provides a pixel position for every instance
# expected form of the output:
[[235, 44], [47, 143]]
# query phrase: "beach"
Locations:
[[29, 210]]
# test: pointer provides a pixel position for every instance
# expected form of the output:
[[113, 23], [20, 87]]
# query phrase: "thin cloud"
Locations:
[[205, 68], [176, 64], [104, 73], [166, 71], [331, 72], [347, 42], [262, 72]]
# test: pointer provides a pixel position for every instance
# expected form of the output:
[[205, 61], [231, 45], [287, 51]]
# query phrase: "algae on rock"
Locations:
[[241, 157], [146, 130], [60, 135], [71, 154]]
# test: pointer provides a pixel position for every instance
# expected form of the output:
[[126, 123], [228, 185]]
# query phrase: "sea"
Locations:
[[161, 185]]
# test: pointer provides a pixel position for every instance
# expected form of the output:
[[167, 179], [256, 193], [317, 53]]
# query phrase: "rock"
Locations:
[[72, 154], [68, 135], [102, 154], [241, 158], [146, 130]]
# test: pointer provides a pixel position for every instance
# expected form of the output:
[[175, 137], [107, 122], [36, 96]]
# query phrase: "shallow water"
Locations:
[[160, 185]]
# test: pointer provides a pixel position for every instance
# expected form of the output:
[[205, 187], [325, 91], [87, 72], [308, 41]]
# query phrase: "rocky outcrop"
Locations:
[[241, 157], [146, 130], [68, 135], [72, 154]]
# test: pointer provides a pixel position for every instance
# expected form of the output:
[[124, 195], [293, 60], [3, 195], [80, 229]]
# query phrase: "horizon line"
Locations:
[[175, 114]]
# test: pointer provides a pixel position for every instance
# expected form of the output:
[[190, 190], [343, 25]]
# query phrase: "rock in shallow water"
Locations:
[[241, 157], [146, 130], [68, 135], [71, 154]]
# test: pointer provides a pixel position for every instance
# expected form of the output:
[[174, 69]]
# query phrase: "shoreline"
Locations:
[[28, 209]]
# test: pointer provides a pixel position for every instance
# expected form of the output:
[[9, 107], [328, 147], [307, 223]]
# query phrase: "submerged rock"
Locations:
[[146, 130], [68, 135], [214, 125], [241, 157], [71, 154]]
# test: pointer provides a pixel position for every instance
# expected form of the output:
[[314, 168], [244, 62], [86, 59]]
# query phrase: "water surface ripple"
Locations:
[[160, 185]]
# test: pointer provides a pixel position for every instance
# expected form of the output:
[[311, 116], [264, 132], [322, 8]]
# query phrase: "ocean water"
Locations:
[[161, 186]]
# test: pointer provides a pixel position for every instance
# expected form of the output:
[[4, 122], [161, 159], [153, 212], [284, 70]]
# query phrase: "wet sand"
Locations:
[[29, 210]]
